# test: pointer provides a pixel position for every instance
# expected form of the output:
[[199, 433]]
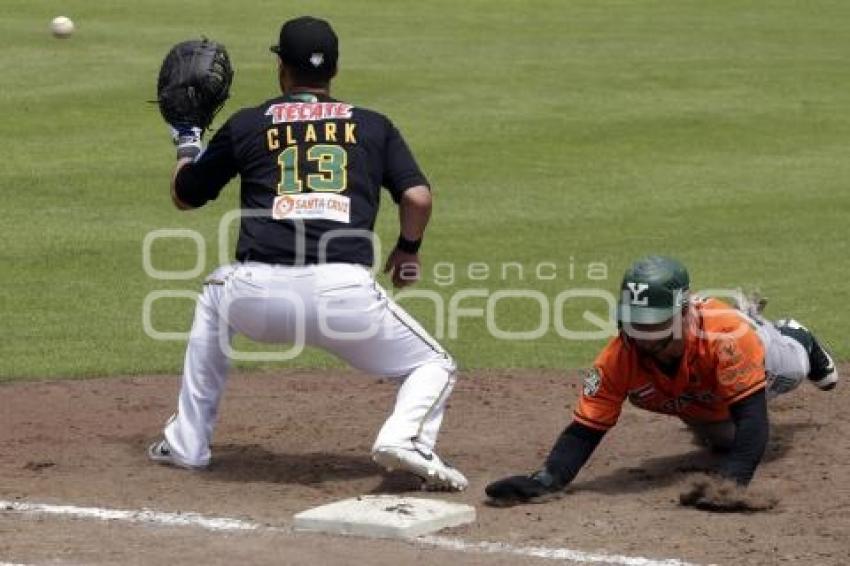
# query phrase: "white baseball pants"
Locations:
[[786, 362], [337, 307]]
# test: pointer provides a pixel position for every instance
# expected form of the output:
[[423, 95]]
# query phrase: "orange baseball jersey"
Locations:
[[723, 362]]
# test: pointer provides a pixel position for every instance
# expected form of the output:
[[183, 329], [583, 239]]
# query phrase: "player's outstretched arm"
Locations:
[[570, 453], [174, 197], [200, 175], [751, 434], [193, 84], [728, 491], [414, 211]]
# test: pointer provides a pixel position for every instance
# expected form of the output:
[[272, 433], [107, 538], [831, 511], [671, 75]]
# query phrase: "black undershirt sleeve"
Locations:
[[200, 182], [571, 451], [752, 430]]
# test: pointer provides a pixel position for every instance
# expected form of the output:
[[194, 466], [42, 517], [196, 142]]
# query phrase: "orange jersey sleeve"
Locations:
[[740, 363], [604, 390]]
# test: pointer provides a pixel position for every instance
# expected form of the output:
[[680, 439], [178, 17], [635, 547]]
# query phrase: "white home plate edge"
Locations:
[[384, 516]]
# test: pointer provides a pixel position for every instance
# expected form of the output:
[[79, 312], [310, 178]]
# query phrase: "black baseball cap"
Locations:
[[309, 44]]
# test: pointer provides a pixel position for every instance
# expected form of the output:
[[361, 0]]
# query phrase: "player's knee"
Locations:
[[445, 363], [781, 384], [450, 366]]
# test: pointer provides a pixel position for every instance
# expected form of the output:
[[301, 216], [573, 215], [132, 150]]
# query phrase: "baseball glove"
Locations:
[[194, 81]]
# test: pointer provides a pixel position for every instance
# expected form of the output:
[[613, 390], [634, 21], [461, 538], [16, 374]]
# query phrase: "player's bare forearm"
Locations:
[[174, 198], [414, 211]]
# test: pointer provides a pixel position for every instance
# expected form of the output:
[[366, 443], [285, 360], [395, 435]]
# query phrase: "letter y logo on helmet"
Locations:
[[637, 290], [653, 290]]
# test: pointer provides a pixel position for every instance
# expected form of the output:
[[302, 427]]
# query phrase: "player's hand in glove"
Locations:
[[537, 487], [194, 82]]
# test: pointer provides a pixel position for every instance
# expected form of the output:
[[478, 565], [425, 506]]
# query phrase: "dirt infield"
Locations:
[[292, 441]]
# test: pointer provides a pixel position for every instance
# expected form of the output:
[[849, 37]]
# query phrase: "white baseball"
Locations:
[[62, 26]]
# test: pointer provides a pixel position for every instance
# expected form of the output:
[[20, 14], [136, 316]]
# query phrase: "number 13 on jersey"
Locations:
[[331, 174]]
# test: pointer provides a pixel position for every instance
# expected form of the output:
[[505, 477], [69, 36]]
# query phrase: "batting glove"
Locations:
[[539, 486]]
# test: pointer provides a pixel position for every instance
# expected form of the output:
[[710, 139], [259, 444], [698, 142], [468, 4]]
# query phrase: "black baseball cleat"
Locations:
[[822, 371]]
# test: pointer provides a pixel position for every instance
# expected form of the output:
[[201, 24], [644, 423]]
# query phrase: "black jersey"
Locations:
[[311, 169]]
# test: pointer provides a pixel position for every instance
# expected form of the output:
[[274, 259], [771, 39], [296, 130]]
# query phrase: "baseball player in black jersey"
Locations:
[[311, 169]]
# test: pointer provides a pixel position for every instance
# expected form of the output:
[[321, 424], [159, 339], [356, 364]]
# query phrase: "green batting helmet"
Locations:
[[653, 290]]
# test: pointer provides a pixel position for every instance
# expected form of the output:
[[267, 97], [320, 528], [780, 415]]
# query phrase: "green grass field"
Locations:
[[564, 132]]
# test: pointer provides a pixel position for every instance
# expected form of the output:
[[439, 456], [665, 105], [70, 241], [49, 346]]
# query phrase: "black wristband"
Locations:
[[188, 152], [408, 246]]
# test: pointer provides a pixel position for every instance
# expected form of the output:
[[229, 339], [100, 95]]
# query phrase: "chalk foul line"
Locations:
[[227, 524], [140, 516]]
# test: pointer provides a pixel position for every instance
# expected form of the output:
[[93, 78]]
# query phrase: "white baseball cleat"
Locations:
[[160, 452], [436, 474]]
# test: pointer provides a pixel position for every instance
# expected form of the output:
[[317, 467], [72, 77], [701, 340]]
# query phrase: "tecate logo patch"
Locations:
[[312, 206], [287, 112]]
